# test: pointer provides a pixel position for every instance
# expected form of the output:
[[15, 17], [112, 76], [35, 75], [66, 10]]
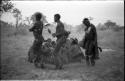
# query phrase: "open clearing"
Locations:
[[14, 64]]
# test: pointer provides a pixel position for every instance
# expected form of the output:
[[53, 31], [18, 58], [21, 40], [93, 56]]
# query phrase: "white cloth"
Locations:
[[83, 51]]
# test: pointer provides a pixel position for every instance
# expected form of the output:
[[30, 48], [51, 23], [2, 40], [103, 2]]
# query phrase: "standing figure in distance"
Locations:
[[90, 42]]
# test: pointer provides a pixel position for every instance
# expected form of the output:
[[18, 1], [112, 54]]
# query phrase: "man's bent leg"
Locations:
[[60, 42], [36, 49], [58, 62]]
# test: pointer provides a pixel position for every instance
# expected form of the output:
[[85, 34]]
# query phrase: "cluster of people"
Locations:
[[89, 43]]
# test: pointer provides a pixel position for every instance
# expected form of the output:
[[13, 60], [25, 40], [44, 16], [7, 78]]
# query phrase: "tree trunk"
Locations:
[[16, 23]]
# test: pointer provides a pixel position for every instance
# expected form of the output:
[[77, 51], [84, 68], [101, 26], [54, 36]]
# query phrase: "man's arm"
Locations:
[[32, 29], [94, 34], [36, 27]]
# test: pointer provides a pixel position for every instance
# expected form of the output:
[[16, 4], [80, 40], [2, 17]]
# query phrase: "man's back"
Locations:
[[37, 29]]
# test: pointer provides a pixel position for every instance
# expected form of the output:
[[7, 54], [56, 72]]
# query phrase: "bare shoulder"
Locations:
[[60, 24]]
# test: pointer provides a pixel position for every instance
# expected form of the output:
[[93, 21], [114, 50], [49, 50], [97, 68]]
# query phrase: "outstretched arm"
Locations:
[[32, 29]]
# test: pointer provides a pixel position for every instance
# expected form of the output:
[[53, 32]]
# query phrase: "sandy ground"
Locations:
[[15, 66]]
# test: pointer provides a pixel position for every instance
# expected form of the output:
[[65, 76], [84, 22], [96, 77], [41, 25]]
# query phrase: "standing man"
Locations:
[[61, 39], [90, 42], [37, 30]]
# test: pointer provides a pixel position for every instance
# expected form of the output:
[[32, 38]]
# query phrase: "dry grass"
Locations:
[[14, 65], [111, 39]]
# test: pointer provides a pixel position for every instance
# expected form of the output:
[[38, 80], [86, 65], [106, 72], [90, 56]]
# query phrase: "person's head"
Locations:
[[53, 44], [49, 40], [38, 16], [57, 17], [86, 22]]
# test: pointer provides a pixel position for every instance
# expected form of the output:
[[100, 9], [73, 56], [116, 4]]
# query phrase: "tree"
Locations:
[[28, 19], [101, 26], [17, 15], [110, 24], [6, 6]]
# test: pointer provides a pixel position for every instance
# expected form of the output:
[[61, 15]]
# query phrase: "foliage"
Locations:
[[17, 15], [9, 30], [28, 19], [109, 24], [6, 6], [101, 27]]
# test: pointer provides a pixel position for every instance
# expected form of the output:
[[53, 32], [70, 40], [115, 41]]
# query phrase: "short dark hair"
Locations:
[[85, 19], [57, 15], [38, 16]]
